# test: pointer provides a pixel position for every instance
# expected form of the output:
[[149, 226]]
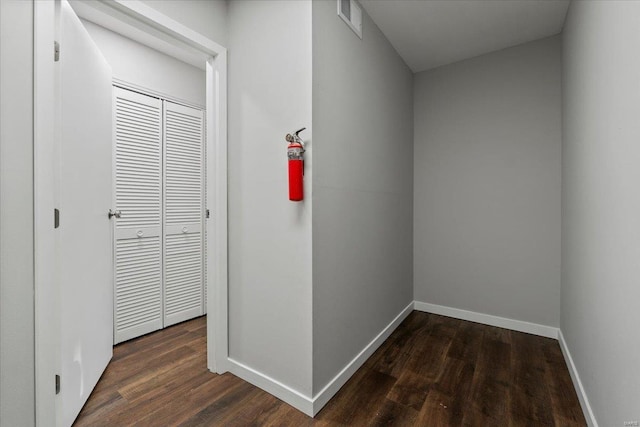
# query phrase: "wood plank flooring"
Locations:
[[432, 371]]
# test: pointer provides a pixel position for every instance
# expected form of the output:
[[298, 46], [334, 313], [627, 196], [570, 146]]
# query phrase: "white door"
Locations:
[[85, 231], [138, 241], [183, 213], [159, 238]]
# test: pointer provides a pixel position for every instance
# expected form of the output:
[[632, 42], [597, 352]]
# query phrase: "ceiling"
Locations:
[[430, 33]]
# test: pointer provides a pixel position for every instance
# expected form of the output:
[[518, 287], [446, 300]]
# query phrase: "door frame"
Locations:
[[152, 28]]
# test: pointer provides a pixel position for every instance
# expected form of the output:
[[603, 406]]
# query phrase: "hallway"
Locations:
[[432, 371]]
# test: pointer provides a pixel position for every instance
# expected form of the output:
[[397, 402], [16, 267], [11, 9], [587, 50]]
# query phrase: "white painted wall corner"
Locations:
[[270, 385], [324, 395], [305, 404]]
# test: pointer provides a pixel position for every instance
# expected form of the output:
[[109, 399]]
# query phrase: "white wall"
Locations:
[[487, 183], [208, 18], [17, 357], [141, 65], [601, 204], [362, 219], [269, 236]]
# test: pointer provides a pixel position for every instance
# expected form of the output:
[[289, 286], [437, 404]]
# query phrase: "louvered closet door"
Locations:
[[183, 213], [138, 245]]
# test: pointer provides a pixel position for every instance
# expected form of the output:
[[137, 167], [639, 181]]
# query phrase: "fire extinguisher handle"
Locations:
[[295, 137]]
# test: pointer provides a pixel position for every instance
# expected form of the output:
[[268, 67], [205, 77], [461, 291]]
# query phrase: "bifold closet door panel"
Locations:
[[183, 213], [138, 245]]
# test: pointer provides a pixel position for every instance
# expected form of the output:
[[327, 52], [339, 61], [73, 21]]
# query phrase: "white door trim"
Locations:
[[150, 27]]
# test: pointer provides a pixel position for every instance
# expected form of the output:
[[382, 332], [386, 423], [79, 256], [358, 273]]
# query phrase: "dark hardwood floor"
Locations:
[[432, 371]]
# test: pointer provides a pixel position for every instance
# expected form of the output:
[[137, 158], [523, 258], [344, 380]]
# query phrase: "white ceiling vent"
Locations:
[[351, 13]]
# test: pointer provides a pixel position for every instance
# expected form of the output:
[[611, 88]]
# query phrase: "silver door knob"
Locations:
[[117, 214]]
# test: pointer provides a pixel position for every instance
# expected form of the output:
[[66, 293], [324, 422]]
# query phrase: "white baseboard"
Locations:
[[577, 383], [487, 319], [311, 406], [324, 395], [304, 403], [272, 386]]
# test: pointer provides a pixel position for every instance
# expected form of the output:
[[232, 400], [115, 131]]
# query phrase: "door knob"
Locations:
[[117, 214]]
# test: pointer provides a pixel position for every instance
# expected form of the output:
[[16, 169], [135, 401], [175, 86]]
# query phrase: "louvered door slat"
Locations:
[[138, 165], [183, 212]]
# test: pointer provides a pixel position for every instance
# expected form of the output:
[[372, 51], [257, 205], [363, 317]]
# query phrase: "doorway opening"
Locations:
[[160, 213], [148, 27]]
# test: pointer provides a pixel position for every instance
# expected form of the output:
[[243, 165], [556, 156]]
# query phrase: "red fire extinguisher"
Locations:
[[295, 156]]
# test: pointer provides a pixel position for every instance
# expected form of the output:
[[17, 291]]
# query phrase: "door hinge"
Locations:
[[56, 51], [56, 218], [208, 215], [57, 384]]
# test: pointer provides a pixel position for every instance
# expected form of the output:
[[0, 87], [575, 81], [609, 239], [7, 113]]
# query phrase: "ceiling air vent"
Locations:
[[351, 13]]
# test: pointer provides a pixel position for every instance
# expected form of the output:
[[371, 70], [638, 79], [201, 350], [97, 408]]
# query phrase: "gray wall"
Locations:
[[269, 236], [362, 225], [17, 393], [487, 183], [601, 204]]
